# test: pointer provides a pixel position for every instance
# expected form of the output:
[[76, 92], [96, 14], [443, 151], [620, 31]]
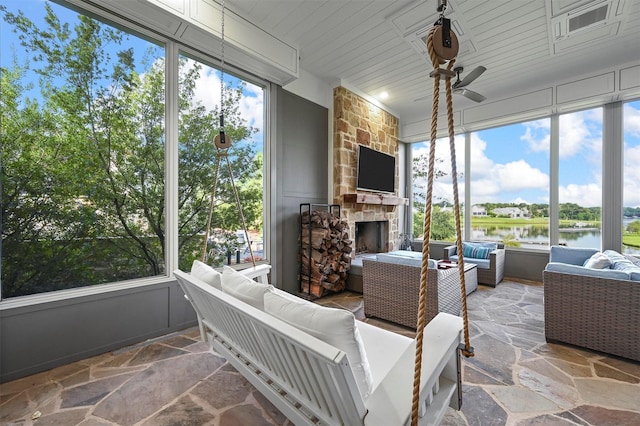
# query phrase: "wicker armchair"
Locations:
[[491, 276], [390, 291], [594, 309], [592, 312]]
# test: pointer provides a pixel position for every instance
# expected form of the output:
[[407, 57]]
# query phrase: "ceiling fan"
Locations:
[[459, 86]]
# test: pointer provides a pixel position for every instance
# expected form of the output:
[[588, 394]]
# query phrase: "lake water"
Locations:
[[537, 236]]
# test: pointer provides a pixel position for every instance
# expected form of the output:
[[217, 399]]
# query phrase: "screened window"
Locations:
[[204, 170], [442, 219], [580, 178], [510, 184], [82, 128], [631, 194]]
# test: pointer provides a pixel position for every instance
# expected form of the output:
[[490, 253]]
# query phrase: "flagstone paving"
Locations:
[[515, 378]]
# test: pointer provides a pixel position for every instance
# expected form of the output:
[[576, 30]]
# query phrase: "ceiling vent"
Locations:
[[597, 15], [581, 22]]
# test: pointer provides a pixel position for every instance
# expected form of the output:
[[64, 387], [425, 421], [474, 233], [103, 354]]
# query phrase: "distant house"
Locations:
[[512, 212], [478, 211]]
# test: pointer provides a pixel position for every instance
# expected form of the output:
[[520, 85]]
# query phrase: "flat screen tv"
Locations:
[[376, 170]]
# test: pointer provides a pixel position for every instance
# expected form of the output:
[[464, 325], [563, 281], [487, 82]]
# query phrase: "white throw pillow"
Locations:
[[336, 327], [244, 288], [598, 261], [206, 273]]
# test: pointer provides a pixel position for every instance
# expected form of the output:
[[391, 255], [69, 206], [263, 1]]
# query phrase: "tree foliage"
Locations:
[[442, 220], [634, 227], [83, 163]]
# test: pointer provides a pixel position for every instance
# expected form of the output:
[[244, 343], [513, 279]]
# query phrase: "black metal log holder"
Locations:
[[309, 207]]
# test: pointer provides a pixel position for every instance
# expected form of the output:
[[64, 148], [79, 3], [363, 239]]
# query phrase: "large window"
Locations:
[[442, 215], [510, 184], [631, 194], [82, 151], [580, 178], [204, 172], [84, 145]]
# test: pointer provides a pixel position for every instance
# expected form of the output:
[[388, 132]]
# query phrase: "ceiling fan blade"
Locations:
[[474, 96], [477, 72]]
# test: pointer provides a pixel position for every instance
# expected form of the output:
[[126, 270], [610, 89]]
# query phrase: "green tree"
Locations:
[[201, 167], [442, 224], [509, 240], [634, 227], [83, 174], [442, 221]]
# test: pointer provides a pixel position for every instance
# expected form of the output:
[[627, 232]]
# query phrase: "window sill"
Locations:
[[80, 292]]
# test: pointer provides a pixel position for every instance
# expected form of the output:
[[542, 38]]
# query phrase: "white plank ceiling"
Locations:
[[371, 45]]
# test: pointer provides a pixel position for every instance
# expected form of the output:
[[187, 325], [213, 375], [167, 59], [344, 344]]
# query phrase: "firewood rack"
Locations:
[[308, 208]]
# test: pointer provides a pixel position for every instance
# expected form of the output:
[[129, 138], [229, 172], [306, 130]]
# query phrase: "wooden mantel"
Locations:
[[366, 198]]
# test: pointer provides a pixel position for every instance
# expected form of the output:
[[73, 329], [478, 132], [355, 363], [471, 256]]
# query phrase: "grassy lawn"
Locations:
[[501, 221], [542, 221], [632, 240]]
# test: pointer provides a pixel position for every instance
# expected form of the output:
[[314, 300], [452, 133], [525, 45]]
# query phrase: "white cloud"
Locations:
[[519, 200], [207, 92], [252, 106], [589, 195], [537, 135], [519, 175], [631, 121], [581, 131], [490, 180], [632, 176]]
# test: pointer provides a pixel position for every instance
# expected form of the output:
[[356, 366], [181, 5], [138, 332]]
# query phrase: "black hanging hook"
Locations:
[[223, 139], [445, 23]]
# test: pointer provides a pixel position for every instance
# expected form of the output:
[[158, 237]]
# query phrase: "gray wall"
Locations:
[[42, 336], [301, 146]]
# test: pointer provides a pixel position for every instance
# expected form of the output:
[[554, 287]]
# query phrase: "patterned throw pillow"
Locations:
[[632, 259], [475, 251]]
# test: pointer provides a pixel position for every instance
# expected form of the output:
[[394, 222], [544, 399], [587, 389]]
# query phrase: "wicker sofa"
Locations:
[[597, 309], [391, 286], [491, 270]]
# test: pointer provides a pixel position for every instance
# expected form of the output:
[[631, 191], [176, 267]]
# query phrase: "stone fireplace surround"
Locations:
[[358, 122]]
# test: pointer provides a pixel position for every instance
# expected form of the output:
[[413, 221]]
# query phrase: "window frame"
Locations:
[[612, 169], [172, 51]]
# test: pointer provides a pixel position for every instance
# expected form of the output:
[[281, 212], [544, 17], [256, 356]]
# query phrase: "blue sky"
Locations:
[[207, 88], [511, 163]]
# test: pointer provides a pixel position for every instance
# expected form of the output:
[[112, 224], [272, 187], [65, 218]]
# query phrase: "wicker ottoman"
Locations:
[[391, 291]]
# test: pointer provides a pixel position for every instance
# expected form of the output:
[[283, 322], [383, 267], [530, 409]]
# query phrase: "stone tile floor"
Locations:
[[515, 378]]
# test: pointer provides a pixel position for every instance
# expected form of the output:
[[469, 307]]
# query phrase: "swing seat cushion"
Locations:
[[336, 327], [244, 288], [206, 273], [405, 257]]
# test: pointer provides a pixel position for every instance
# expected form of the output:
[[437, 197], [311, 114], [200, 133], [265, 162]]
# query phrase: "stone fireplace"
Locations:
[[358, 122]]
